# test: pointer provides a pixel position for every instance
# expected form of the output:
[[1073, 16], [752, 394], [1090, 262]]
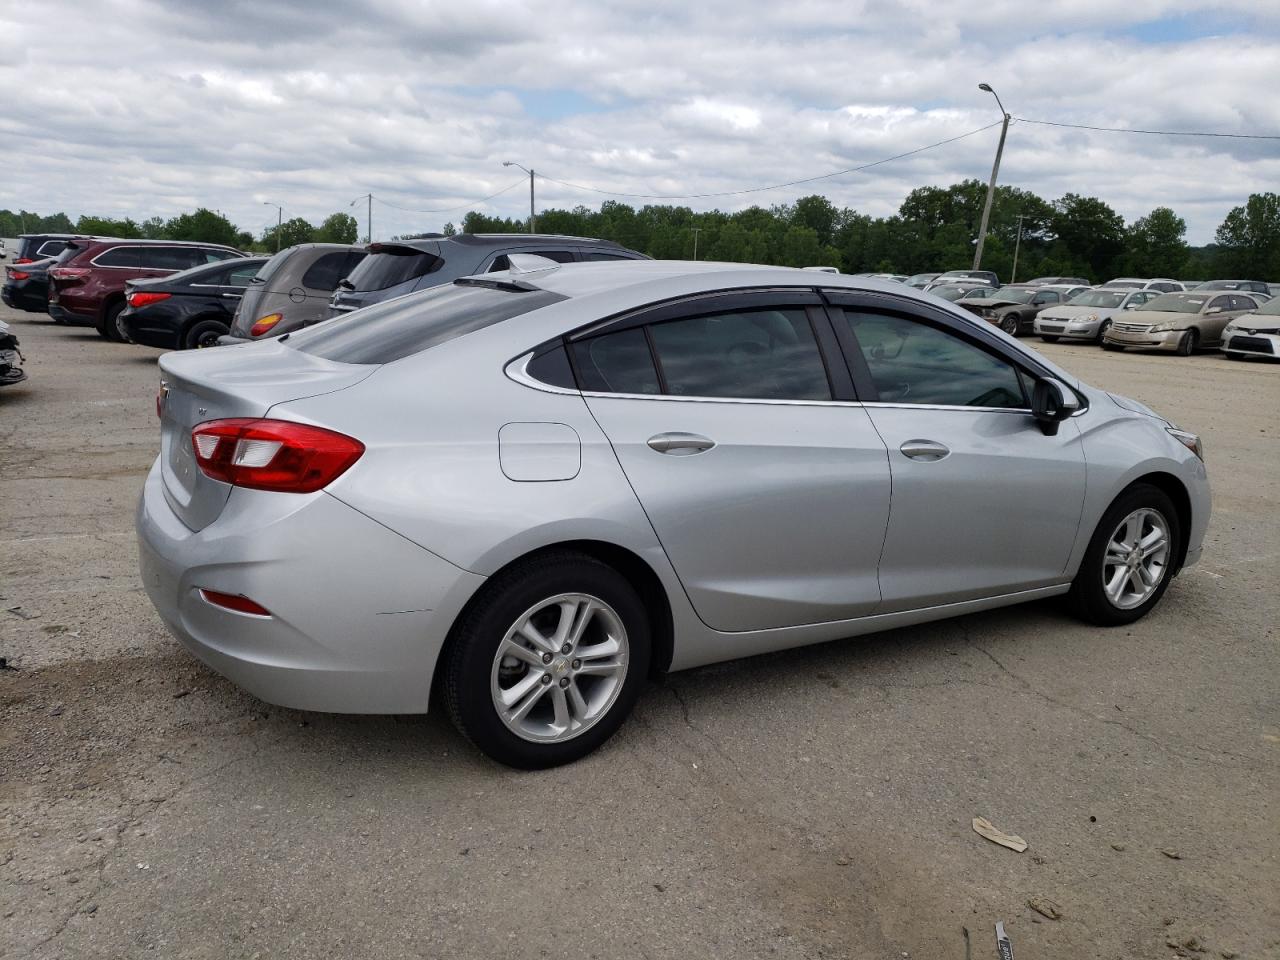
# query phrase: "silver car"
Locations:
[[532, 490], [1255, 334], [1088, 315]]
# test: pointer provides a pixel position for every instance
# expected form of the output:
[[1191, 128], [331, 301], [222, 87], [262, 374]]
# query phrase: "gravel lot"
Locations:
[[815, 803]]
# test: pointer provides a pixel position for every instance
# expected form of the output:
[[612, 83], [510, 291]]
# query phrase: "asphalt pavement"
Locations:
[[814, 803]]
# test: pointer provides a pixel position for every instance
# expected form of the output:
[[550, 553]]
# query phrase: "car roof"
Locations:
[[120, 241], [432, 242]]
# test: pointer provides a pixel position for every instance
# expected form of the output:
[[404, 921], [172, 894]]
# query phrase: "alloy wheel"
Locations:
[[559, 668], [1136, 559]]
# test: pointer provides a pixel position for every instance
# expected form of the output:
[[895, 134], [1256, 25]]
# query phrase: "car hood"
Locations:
[[1161, 316], [1253, 321], [1128, 403]]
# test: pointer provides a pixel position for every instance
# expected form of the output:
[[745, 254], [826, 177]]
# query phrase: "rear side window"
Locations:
[[378, 271], [405, 326], [760, 354], [118, 257], [215, 256], [50, 248], [170, 258], [241, 276], [616, 363], [328, 269]]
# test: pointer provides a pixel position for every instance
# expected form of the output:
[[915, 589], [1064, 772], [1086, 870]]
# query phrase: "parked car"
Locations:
[[189, 309], [1254, 334], [395, 268], [11, 371], [658, 465], [1087, 315], [1245, 286], [42, 246], [1180, 322], [293, 290], [1012, 308], [951, 276], [26, 285], [1058, 281], [961, 290], [88, 287], [1163, 284], [921, 280]]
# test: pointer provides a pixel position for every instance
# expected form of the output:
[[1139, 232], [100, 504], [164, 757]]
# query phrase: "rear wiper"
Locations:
[[510, 286]]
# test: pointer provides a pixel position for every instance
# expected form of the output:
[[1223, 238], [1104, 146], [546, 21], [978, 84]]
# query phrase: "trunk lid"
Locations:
[[244, 381]]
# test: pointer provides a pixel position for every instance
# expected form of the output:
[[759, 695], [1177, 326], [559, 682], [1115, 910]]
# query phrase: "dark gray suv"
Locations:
[[394, 268]]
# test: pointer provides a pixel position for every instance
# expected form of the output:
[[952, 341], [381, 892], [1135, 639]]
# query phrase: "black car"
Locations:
[[395, 268], [188, 309], [1013, 308], [42, 246], [26, 285]]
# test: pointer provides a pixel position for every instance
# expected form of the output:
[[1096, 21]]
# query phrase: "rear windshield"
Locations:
[[391, 266], [408, 325]]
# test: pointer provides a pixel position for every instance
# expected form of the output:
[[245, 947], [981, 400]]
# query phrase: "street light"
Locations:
[[279, 220], [995, 170], [368, 197], [510, 163]]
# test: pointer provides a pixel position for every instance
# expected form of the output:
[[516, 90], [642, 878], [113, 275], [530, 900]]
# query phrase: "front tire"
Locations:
[[1130, 559], [1188, 342], [1009, 324], [548, 661]]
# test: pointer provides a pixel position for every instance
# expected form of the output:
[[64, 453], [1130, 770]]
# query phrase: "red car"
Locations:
[[88, 286]]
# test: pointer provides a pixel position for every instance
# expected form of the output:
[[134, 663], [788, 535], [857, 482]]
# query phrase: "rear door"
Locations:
[[983, 502], [765, 481]]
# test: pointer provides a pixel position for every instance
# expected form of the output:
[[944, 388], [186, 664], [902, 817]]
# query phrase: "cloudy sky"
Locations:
[[140, 107]]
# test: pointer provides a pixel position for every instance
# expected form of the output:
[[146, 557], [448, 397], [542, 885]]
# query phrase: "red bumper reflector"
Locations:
[[233, 602]]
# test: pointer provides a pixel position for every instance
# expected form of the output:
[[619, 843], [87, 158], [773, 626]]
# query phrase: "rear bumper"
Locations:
[[63, 315], [149, 334], [358, 613]]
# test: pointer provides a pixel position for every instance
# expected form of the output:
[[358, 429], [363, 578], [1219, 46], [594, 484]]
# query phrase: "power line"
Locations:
[[773, 186], [1160, 133], [464, 206]]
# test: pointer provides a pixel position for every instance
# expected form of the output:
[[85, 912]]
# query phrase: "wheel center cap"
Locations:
[[560, 667]]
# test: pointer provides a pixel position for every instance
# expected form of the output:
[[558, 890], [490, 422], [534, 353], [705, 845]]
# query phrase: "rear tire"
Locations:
[[109, 327], [1188, 342], [476, 675], [204, 333], [1105, 561]]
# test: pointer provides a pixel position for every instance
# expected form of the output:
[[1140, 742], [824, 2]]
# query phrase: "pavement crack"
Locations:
[[715, 744]]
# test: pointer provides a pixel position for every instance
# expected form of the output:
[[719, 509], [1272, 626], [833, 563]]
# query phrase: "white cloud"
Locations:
[[151, 108]]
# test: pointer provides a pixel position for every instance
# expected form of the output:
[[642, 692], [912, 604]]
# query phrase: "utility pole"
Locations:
[[995, 171], [368, 197], [533, 226], [1013, 278], [279, 220], [696, 231]]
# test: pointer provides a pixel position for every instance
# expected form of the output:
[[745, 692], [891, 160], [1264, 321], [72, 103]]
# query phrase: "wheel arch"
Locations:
[[631, 565], [1176, 491]]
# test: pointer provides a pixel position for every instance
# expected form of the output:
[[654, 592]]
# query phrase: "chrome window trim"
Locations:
[[668, 398], [518, 370]]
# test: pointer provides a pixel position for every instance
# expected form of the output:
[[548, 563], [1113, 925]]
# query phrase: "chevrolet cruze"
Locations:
[[525, 493]]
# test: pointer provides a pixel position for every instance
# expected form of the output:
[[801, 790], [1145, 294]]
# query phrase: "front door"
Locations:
[[984, 503], [768, 489]]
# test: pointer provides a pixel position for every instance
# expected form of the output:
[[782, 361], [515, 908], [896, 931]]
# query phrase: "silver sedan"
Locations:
[[528, 492]]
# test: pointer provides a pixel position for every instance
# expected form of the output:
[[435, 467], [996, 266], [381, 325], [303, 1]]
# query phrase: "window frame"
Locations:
[[687, 308]]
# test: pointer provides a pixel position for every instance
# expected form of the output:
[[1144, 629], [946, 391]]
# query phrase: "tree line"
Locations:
[[934, 229], [203, 224]]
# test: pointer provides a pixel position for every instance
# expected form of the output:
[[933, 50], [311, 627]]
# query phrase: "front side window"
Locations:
[[911, 362], [753, 355]]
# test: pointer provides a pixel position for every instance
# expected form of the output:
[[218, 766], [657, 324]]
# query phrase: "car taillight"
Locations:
[[273, 454], [19, 275], [24, 260], [265, 323], [146, 299], [68, 273]]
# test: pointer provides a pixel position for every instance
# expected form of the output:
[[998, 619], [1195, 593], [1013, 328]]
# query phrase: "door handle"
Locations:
[[232, 296], [680, 444], [924, 450]]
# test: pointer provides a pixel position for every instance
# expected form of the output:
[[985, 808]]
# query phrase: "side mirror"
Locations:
[[1052, 401], [1213, 310]]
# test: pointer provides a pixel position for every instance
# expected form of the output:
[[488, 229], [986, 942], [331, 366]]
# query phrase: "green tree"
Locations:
[[153, 228], [1089, 232], [1249, 239], [1156, 247], [292, 232], [338, 228], [203, 225], [450, 230], [106, 227]]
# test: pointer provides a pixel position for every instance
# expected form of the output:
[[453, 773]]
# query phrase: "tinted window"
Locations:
[[118, 257], [328, 269], [50, 248], [378, 271], [170, 258], [911, 362], [1242, 303], [616, 363], [1049, 296], [241, 276], [401, 327], [760, 354]]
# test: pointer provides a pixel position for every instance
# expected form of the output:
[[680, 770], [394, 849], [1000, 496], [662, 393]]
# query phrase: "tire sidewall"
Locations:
[[470, 659], [1087, 589], [191, 339], [110, 327]]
